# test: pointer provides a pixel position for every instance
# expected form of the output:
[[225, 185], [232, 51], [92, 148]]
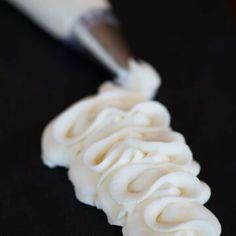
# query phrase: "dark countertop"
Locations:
[[193, 46]]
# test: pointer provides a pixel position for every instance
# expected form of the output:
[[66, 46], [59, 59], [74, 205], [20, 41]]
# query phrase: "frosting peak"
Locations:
[[142, 78]]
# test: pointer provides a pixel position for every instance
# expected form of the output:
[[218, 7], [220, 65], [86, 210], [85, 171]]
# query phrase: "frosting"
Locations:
[[128, 186], [112, 106], [106, 155], [124, 158], [142, 78], [171, 216], [62, 137]]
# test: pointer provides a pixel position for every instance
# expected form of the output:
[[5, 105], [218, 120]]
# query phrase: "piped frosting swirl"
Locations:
[[124, 158]]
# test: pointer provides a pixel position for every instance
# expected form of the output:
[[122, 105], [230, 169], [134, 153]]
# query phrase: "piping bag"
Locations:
[[87, 23], [90, 24]]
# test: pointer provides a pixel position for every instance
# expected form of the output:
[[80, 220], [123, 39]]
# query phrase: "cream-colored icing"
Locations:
[[142, 78], [171, 216], [124, 158], [63, 136], [127, 186]]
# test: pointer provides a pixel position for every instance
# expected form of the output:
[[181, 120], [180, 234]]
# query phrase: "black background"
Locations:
[[193, 46]]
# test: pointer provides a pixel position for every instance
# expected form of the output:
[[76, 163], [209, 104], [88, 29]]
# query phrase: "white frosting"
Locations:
[[104, 156], [112, 106], [142, 78], [126, 187], [124, 158], [171, 216], [62, 137]]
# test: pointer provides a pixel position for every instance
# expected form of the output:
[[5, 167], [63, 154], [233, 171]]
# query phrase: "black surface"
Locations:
[[191, 43]]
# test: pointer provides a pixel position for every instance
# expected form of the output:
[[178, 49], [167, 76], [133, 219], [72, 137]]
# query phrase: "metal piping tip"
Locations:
[[99, 32]]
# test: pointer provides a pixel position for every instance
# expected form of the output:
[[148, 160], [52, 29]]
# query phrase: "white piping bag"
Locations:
[[89, 23]]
